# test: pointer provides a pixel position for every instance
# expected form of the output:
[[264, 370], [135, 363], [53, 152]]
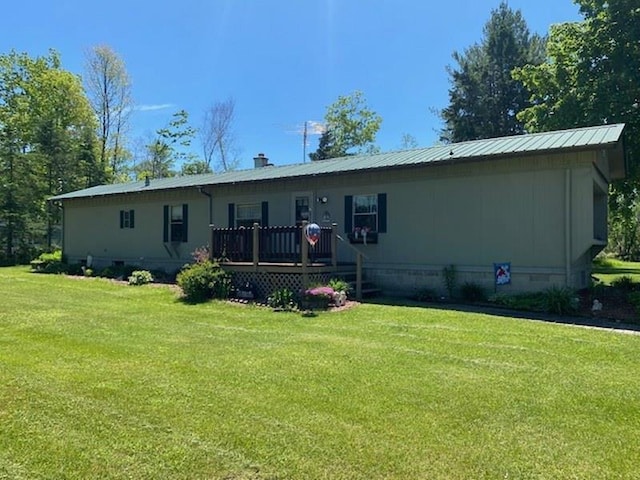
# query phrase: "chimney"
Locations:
[[147, 182], [260, 161]]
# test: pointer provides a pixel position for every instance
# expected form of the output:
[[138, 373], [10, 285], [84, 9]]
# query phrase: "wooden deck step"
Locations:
[[369, 289]]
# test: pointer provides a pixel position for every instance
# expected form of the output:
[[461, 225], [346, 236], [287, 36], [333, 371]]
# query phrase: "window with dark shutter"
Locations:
[[126, 219], [176, 223], [365, 216]]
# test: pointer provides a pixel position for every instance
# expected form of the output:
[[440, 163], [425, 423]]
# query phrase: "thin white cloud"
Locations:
[[313, 128], [151, 108], [316, 128]]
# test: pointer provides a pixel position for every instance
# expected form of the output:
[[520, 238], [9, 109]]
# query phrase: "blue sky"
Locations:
[[282, 61]]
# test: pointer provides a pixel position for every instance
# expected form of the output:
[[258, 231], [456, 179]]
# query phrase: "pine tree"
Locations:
[[484, 99]]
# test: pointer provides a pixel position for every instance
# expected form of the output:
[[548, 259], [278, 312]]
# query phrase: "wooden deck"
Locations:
[[275, 257], [273, 245]]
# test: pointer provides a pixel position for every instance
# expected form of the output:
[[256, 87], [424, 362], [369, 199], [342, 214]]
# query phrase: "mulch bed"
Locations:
[[615, 305]]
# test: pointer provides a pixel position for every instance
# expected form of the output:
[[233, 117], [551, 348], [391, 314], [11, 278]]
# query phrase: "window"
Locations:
[[247, 215], [176, 223], [302, 209], [126, 219], [365, 213]]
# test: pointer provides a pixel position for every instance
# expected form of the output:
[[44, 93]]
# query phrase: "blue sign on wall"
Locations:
[[502, 273]]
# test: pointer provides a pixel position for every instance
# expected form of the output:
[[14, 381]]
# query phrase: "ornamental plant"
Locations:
[[140, 277], [317, 297]]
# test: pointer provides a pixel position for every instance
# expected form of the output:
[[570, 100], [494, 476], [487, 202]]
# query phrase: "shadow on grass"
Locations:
[[508, 313], [616, 271]]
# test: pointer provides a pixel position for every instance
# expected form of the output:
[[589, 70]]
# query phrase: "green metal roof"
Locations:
[[580, 138]]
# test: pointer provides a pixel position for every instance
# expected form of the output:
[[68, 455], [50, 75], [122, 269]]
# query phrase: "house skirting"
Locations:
[[410, 280]]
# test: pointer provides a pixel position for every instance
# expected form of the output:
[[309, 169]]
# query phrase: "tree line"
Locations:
[[582, 73], [60, 132]]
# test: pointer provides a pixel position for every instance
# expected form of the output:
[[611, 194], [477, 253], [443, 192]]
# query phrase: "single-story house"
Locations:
[[531, 206]]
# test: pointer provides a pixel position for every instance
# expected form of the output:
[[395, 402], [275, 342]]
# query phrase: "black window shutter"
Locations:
[[265, 214], [121, 218], [165, 230], [382, 212], [131, 223], [185, 222], [232, 215], [348, 213]]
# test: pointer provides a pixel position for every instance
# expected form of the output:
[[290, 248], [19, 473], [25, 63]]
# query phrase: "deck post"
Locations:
[[334, 245], [304, 249], [256, 245], [359, 277]]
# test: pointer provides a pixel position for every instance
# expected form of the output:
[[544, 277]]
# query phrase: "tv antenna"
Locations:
[[307, 128]]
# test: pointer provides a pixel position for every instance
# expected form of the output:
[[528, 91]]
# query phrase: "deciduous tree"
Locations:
[[45, 124], [351, 128], [591, 78], [218, 138], [109, 88]]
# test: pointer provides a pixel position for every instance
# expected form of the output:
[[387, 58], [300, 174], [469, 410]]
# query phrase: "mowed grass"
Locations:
[[101, 380], [608, 269]]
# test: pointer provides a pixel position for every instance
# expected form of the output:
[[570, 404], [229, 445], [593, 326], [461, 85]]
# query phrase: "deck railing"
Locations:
[[285, 244]]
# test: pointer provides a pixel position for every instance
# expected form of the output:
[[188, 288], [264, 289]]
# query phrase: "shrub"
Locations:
[[282, 299], [201, 254], [88, 272], [339, 285], [634, 300], [48, 262], [472, 292], [625, 283], [559, 300], [75, 269], [121, 272], [317, 298], [450, 279], [201, 281], [427, 295], [140, 277]]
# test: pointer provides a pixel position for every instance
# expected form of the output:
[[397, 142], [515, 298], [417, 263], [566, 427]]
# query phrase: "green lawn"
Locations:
[[101, 380], [607, 270]]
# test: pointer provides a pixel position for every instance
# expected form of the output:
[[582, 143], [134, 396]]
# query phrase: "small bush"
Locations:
[[339, 285], [559, 300], [48, 262], [202, 281], [74, 269], [88, 272], [625, 283], [201, 254], [317, 298], [282, 299], [450, 277], [427, 295], [119, 272], [634, 300], [140, 277], [472, 292]]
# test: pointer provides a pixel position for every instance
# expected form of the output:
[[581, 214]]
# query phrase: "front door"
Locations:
[[302, 210]]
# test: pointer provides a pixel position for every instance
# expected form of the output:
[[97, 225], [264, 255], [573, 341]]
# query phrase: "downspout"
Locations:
[[206, 194], [567, 226], [203, 192]]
